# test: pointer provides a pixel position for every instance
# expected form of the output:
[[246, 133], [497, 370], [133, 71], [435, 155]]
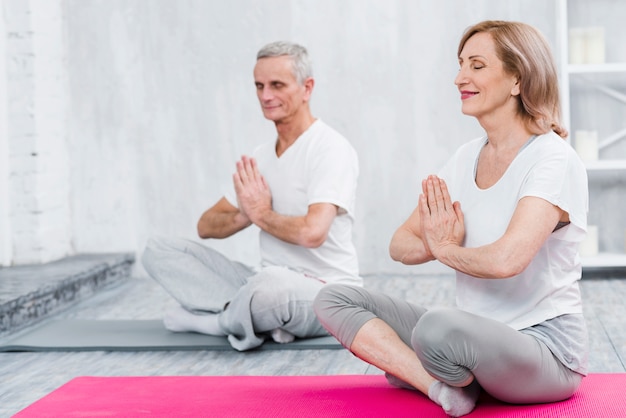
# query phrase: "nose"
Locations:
[[265, 94], [461, 77]]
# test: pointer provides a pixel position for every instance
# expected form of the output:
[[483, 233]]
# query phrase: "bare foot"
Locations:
[[455, 401], [179, 319], [281, 336]]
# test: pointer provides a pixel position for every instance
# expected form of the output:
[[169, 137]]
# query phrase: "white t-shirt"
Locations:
[[549, 168], [320, 167]]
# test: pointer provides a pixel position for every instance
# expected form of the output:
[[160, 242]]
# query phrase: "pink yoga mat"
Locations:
[[600, 395]]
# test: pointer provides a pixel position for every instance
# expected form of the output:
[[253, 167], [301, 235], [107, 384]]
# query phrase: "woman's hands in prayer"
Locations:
[[441, 219]]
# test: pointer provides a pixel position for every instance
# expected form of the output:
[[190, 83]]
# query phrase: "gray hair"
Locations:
[[298, 54]]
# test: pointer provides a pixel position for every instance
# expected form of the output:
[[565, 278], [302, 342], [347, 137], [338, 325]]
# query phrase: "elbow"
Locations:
[[509, 266], [405, 247], [314, 238], [205, 232], [314, 242], [516, 269], [395, 254], [409, 256], [503, 272], [202, 233], [202, 227]]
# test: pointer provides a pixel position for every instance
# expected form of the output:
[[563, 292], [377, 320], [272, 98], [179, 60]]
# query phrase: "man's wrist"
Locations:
[[241, 219]]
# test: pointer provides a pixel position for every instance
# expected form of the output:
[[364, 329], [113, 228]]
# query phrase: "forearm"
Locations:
[[408, 248], [297, 230], [443, 232], [491, 261], [221, 225]]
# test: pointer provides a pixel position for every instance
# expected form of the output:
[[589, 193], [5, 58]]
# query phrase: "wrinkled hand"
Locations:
[[442, 220], [253, 193]]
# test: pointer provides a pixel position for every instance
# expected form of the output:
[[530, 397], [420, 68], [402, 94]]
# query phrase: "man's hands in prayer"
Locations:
[[253, 194]]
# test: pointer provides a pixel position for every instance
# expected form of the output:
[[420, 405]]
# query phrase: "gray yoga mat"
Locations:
[[134, 335]]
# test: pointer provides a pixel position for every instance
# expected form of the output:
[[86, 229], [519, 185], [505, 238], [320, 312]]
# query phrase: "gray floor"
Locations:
[[26, 377]]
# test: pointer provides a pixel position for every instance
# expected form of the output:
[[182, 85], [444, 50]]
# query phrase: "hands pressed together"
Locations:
[[442, 221], [253, 193]]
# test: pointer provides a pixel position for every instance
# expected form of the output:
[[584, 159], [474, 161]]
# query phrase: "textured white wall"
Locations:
[[162, 104], [6, 241], [51, 174], [35, 174]]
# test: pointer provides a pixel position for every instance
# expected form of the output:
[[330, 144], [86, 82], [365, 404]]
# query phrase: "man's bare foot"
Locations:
[[281, 336], [179, 319]]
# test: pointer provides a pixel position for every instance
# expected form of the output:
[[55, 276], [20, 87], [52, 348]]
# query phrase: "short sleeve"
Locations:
[[333, 174], [559, 176]]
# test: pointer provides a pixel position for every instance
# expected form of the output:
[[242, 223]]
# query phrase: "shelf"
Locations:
[[581, 82], [605, 261], [614, 67], [605, 165]]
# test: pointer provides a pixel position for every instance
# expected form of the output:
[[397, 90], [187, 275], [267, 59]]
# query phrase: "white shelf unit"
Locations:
[[591, 73], [609, 67], [605, 165], [604, 260]]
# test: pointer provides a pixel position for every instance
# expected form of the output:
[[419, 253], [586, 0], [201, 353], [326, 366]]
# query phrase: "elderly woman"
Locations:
[[507, 213]]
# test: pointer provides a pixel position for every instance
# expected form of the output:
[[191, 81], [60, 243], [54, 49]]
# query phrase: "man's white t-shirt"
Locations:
[[548, 168], [321, 166]]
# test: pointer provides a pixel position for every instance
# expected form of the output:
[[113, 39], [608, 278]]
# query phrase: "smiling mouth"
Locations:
[[467, 94]]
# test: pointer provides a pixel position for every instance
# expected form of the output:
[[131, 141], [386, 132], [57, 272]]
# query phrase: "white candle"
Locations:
[[589, 247], [586, 144], [594, 51], [577, 45]]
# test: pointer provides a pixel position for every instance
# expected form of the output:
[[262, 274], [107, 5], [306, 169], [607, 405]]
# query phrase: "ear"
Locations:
[[308, 84], [515, 91]]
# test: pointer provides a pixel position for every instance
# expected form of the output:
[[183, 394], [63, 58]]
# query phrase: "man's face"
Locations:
[[280, 95]]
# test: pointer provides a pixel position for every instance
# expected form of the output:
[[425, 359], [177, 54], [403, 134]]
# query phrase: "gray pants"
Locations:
[[453, 344], [249, 303]]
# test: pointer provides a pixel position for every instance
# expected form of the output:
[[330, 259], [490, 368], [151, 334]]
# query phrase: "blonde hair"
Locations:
[[526, 54]]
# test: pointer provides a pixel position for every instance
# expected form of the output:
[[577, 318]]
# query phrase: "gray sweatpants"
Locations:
[[249, 303], [453, 344]]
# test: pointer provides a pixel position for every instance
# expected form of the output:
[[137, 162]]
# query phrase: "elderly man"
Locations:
[[299, 189]]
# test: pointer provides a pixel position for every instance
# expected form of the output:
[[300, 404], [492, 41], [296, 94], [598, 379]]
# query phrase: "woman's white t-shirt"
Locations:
[[547, 167]]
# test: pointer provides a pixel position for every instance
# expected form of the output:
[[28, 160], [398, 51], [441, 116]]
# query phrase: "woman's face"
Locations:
[[486, 89]]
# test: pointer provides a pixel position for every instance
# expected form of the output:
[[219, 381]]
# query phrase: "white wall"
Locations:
[[35, 178], [51, 129], [6, 247], [162, 104]]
